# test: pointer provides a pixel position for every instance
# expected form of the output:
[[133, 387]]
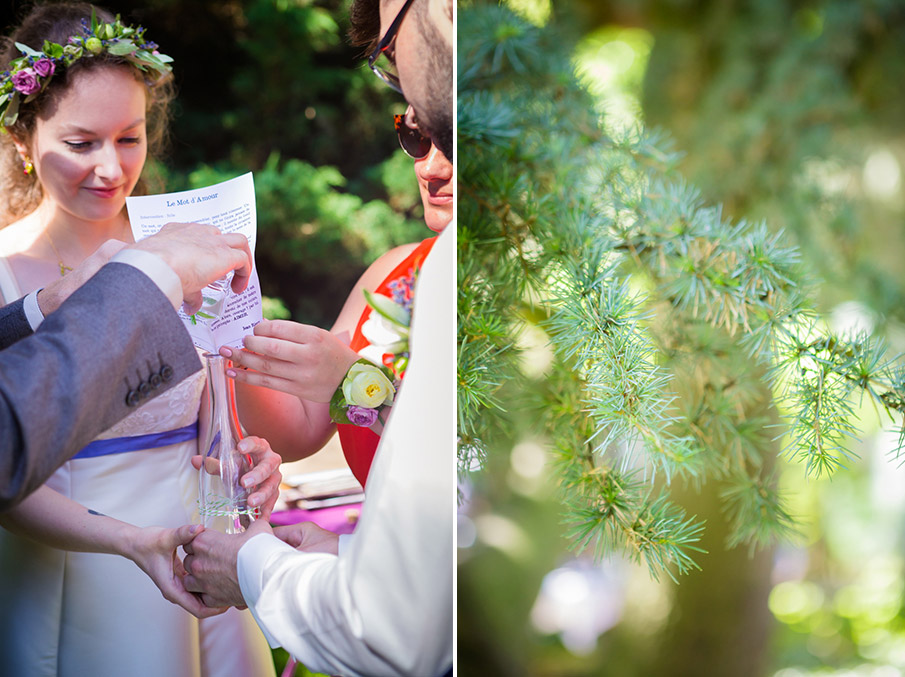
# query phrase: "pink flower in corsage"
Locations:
[[44, 67], [361, 416], [26, 81], [365, 390]]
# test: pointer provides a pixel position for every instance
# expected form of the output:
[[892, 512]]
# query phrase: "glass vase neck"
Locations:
[[222, 501]]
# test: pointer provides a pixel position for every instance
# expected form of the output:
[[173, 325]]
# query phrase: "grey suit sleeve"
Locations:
[[13, 323], [81, 372]]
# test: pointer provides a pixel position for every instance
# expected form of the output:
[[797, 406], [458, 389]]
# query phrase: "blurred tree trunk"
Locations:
[[719, 624]]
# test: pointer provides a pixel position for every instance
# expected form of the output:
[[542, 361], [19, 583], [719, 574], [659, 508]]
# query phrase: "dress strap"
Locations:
[[121, 445], [9, 288]]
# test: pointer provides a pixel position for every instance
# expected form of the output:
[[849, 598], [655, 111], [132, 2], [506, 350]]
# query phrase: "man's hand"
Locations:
[[211, 563], [264, 475], [52, 296], [298, 359], [308, 537], [200, 254], [154, 550]]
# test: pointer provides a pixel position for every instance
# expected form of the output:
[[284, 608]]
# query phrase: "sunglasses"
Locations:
[[388, 76], [413, 142]]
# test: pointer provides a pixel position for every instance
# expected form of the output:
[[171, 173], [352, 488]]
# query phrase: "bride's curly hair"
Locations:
[[57, 22]]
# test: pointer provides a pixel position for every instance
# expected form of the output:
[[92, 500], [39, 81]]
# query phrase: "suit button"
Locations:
[[155, 380], [144, 389], [166, 373], [133, 398]]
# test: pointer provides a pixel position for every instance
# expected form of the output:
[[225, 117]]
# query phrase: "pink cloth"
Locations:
[[335, 519]]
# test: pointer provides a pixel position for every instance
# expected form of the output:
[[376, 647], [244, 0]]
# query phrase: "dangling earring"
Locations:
[[27, 166]]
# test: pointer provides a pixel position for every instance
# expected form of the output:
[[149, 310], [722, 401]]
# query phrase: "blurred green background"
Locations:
[[790, 112], [274, 87]]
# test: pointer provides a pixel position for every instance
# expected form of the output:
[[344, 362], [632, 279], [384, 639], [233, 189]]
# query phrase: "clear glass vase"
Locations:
[[223, 502]]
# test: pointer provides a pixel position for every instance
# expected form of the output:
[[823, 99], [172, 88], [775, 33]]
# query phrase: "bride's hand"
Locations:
[[294, 358], [153, 549], [264, 475]]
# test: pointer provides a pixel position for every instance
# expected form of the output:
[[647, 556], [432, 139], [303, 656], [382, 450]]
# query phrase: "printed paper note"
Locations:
[[226, 317]]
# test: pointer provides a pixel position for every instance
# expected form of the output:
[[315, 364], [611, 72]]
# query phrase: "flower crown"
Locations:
[[28, 75]]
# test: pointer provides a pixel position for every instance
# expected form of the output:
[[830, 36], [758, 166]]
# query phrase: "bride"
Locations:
[[83, 102]]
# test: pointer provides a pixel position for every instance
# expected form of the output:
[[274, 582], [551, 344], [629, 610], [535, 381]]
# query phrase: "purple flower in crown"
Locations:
[[361, 416], [26, 81], [44, 67]]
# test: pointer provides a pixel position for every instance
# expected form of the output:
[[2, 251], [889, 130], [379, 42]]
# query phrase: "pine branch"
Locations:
[[613, 512], [675, 332]]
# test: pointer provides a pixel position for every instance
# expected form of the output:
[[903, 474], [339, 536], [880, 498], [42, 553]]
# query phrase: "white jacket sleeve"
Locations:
[[384, 606]]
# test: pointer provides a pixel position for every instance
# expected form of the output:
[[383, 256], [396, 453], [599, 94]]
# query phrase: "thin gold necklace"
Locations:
[[63, 267]]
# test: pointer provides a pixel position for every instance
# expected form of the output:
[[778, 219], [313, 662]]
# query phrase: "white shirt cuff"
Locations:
[[32, 311], [157, 269], [250, 565], [345, 540]]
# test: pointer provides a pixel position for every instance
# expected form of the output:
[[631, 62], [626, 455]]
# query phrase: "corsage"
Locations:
[[387, 332], [365, 391], [370, 384]]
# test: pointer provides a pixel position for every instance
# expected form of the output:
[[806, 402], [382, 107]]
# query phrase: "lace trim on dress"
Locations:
[[176, 408]]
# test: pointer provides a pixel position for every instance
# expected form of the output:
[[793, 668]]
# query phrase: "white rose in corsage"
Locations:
[[366, 385], [365, 390], [387, 331]]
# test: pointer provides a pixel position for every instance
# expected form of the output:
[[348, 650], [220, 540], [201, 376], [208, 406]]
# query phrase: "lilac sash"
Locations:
[[121, 445]]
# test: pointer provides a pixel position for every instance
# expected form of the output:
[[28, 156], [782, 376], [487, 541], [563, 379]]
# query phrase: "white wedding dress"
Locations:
[[94, 615]]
